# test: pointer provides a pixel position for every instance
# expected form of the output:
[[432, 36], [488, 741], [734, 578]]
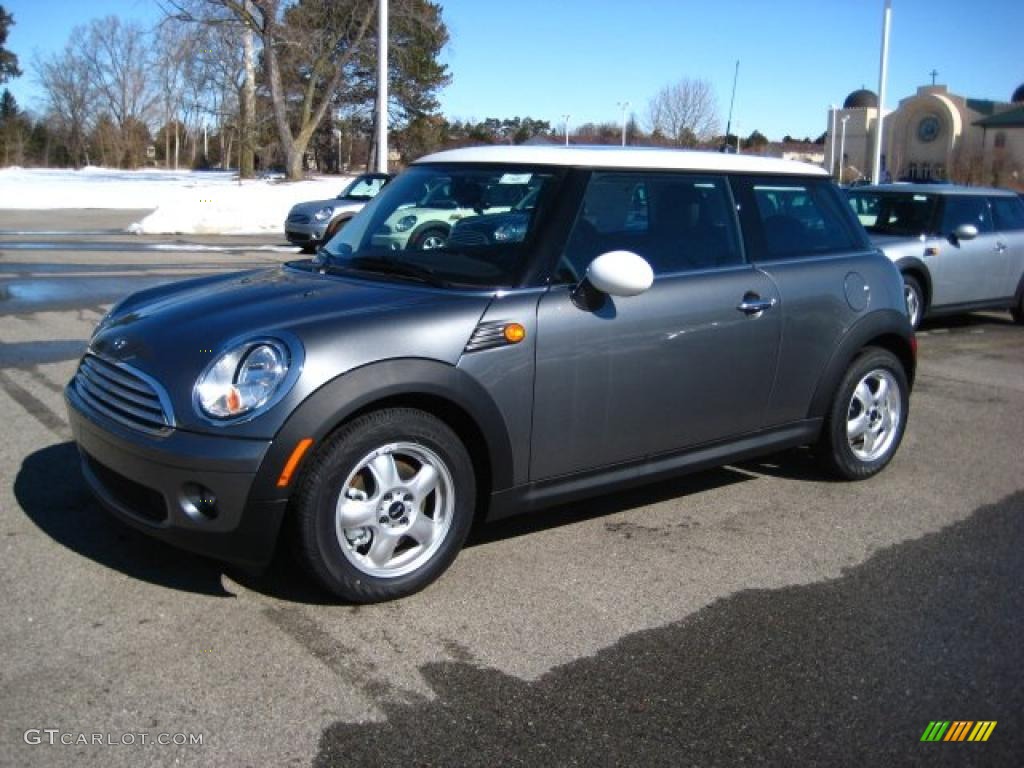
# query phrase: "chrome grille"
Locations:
[[123, 394], [467, 237]]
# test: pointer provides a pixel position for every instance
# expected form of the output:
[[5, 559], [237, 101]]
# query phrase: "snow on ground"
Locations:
[[186, 202]]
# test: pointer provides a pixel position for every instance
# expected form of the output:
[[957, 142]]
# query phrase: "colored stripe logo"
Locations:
[[958, 730]]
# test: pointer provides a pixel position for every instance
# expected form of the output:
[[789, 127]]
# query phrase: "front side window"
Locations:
[[800, 218], [465, 225], [1008, 212], [966, 209], [363, 188], [906, 214], [677, 222]]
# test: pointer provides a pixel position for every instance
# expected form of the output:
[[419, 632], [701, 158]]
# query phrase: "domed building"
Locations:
[[933, 135]]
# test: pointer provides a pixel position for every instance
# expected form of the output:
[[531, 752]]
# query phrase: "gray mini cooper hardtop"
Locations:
[[622, 315]]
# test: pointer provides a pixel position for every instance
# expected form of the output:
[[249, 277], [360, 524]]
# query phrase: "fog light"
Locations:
[[198, 501]]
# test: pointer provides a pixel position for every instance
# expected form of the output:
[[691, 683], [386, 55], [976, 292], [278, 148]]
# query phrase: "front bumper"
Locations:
[[303, 234], [150, 482]]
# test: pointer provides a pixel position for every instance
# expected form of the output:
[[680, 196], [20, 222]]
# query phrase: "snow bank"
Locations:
[[185, 202]]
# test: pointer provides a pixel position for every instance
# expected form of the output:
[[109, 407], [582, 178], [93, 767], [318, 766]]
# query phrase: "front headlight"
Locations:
[[323, 214], [242, 379], [405, 223]]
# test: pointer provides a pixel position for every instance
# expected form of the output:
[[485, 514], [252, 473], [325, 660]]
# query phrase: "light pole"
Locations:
[[565, 119], [832, 142], [842, 147], [382, 90], [623, 105], [883, 69]]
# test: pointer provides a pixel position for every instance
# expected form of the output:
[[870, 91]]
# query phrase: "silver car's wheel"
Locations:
[[430, 240], [395, 509], [914, 299], [384, 505], [874, 415], [868, 416]]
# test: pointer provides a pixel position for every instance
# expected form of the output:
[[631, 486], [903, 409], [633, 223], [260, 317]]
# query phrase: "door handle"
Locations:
[[753, 304], [1000, 247]]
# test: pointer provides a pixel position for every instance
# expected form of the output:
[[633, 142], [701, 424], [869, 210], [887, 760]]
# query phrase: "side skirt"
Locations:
[[534, 496]]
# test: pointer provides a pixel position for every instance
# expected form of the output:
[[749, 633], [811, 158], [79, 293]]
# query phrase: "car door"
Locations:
[[963, 271], [1008, 218], [689, 361]]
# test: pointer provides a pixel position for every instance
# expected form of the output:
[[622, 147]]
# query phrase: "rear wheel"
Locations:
[[1018, 311], [913, 295], [385, 505], [868, 416]]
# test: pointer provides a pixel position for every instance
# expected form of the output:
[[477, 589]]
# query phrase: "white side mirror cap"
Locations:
[[620, 273], [966, 232]]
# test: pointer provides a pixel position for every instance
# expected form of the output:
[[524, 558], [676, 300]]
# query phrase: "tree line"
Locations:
[[265, 84]]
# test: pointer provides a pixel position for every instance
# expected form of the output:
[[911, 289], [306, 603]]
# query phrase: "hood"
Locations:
[[338, 204], [173, 332]]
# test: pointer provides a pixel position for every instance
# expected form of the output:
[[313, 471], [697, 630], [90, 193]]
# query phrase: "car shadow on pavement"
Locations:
[[50, 489], [847, 671]]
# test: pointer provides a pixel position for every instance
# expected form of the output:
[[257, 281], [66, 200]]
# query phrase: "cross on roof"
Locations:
[[934, 73]]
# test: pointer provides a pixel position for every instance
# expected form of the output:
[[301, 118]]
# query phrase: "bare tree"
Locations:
[[65, 79], [685, 112], [119, 65]]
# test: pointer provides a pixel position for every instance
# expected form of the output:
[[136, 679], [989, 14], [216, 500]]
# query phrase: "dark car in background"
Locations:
[[311, 223], [958, 248], [625, 316]]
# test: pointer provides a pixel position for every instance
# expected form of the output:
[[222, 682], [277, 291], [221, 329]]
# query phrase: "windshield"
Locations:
[[465, 225], [363, 187], [907, 214]]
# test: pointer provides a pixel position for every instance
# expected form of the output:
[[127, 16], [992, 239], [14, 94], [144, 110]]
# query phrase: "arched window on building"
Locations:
[[1000, 140], [939, 172], [912, 172], [926, 172]]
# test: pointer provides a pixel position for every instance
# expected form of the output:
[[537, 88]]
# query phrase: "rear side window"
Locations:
[[1008, 213], [966, 209], [677, 222], [794, 218]]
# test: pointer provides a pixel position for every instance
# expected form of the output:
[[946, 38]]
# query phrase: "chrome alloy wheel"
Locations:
[[874, 415], [913, 300], [395, 509], [433, 242]]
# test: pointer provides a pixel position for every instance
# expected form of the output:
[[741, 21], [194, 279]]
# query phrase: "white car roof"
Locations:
[[647, 158]]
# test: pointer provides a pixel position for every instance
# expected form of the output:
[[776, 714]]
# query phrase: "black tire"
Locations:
[[319, 497], [836, 449], [1017, 312], [424, 240], [308, 248], [913, 292]]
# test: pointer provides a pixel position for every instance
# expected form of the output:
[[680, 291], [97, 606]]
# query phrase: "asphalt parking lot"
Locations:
[[759, 614]]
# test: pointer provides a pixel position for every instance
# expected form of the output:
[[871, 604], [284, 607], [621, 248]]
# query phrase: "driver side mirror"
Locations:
[[615, 273], [620, 273], [965, 232]]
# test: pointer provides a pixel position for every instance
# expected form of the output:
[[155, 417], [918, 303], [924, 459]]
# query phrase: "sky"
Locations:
[[548, 58]]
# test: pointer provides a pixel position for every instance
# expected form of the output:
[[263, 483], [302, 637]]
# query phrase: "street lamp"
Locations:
[[842, 147], [565, 119], [832, 142], [623, 105]]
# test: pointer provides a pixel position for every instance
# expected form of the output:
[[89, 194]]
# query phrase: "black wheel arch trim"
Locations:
[[356, 390], [883, 328], [920, 269]]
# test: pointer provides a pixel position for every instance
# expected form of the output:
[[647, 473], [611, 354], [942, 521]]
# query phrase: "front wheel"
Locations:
[[913, 295], [868, 416], [1018, 311], [385, 505], [430, 239]]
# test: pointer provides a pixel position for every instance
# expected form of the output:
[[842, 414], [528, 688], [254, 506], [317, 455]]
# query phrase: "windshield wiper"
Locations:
[[400, 268]]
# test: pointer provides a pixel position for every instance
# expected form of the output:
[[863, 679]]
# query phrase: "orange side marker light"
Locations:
[[514, 333], [293, 462]]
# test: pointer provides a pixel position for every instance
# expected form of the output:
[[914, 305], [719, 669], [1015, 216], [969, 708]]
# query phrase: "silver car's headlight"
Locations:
[[323, 214], [405, 223], [243, 379]]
